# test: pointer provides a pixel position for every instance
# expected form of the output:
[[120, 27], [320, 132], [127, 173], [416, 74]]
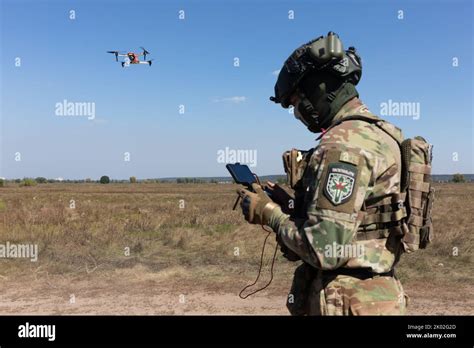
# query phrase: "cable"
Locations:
[[260, 268]]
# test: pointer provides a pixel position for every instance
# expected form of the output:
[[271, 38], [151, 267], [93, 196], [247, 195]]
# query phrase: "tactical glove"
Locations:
[[283, 196], [256, 206]]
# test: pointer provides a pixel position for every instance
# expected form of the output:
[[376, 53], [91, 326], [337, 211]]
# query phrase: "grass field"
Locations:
[[130, 242]]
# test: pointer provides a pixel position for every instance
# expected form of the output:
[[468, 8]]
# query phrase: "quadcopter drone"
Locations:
[[131, 57]]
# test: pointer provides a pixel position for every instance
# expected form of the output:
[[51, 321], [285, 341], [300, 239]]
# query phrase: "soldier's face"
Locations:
[[294, 101]]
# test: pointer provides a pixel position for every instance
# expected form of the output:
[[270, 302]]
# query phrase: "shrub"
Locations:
[[133, 180], [28, 182], [41, 180], [104, 179], [2, 182], [458, 178]]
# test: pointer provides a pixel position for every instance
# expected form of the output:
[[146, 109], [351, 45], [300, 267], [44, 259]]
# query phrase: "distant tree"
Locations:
[[18, 181], [104, 179], [41, 180], [190, 181], [133, 180], [458, 178], [2, 182], [28, 182], [88, 180]]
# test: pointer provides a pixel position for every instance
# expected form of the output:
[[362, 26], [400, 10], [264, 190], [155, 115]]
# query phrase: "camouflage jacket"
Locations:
[[355, 161]]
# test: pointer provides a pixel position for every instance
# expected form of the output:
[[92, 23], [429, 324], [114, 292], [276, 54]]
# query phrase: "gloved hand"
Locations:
[[283, 196], [256, 206]]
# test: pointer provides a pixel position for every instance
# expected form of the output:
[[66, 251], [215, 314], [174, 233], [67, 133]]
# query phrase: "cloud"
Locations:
[[235, 100], [276, 72]]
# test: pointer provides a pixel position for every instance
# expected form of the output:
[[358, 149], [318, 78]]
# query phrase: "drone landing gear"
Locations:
[[123, 64], [145, 62]]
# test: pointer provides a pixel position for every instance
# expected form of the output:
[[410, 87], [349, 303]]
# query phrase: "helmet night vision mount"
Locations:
[[325, 53]]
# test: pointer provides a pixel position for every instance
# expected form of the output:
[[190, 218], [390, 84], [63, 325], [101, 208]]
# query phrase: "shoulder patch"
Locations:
[[340, 182]]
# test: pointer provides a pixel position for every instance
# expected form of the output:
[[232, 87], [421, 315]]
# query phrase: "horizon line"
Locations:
[[171, 177]]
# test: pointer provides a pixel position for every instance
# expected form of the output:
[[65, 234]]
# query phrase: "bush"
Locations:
[[2, 182], [41, 180], [133, 180], [104, 179], [190, 181], [458, 178], [28, 182]]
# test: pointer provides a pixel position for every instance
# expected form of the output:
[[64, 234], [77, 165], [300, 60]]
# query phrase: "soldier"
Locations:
[[342, 215]]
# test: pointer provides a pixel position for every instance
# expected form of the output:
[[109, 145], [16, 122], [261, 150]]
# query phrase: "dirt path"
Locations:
[[149, 294]]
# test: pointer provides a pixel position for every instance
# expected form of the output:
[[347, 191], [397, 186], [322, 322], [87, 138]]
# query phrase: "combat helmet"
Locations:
[[324, 55]]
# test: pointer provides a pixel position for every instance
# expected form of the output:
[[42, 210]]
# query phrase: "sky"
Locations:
[[193, 106]]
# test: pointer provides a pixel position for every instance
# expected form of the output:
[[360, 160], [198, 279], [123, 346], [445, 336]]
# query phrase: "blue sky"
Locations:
[[137, 108]]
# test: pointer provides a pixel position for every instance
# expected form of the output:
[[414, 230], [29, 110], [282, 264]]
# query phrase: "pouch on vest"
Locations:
[[294, 164], [416, 182]]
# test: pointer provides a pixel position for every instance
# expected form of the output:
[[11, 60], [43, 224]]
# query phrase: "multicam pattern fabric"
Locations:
[[376, 157], [346, 295]]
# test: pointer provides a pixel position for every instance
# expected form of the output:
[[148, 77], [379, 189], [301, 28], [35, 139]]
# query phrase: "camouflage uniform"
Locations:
[[334, 211]]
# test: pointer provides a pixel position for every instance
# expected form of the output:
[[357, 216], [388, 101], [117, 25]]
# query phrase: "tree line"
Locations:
[[104, 179]]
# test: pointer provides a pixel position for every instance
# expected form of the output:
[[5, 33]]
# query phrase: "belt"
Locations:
[[361, 273]]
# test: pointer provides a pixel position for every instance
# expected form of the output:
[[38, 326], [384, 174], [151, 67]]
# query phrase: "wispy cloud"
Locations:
[[235, 100]]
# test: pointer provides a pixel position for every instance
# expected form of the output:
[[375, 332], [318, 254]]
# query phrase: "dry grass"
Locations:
[[201, 238], [449, 258]]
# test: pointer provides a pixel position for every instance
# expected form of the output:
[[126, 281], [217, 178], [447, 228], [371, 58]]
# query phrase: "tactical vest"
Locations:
[[405, 217]]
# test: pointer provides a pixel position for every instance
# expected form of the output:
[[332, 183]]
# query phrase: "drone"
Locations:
[[131, 57]]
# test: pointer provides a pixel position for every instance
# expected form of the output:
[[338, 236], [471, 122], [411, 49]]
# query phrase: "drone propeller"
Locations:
[[145, 52], [116, 54]]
